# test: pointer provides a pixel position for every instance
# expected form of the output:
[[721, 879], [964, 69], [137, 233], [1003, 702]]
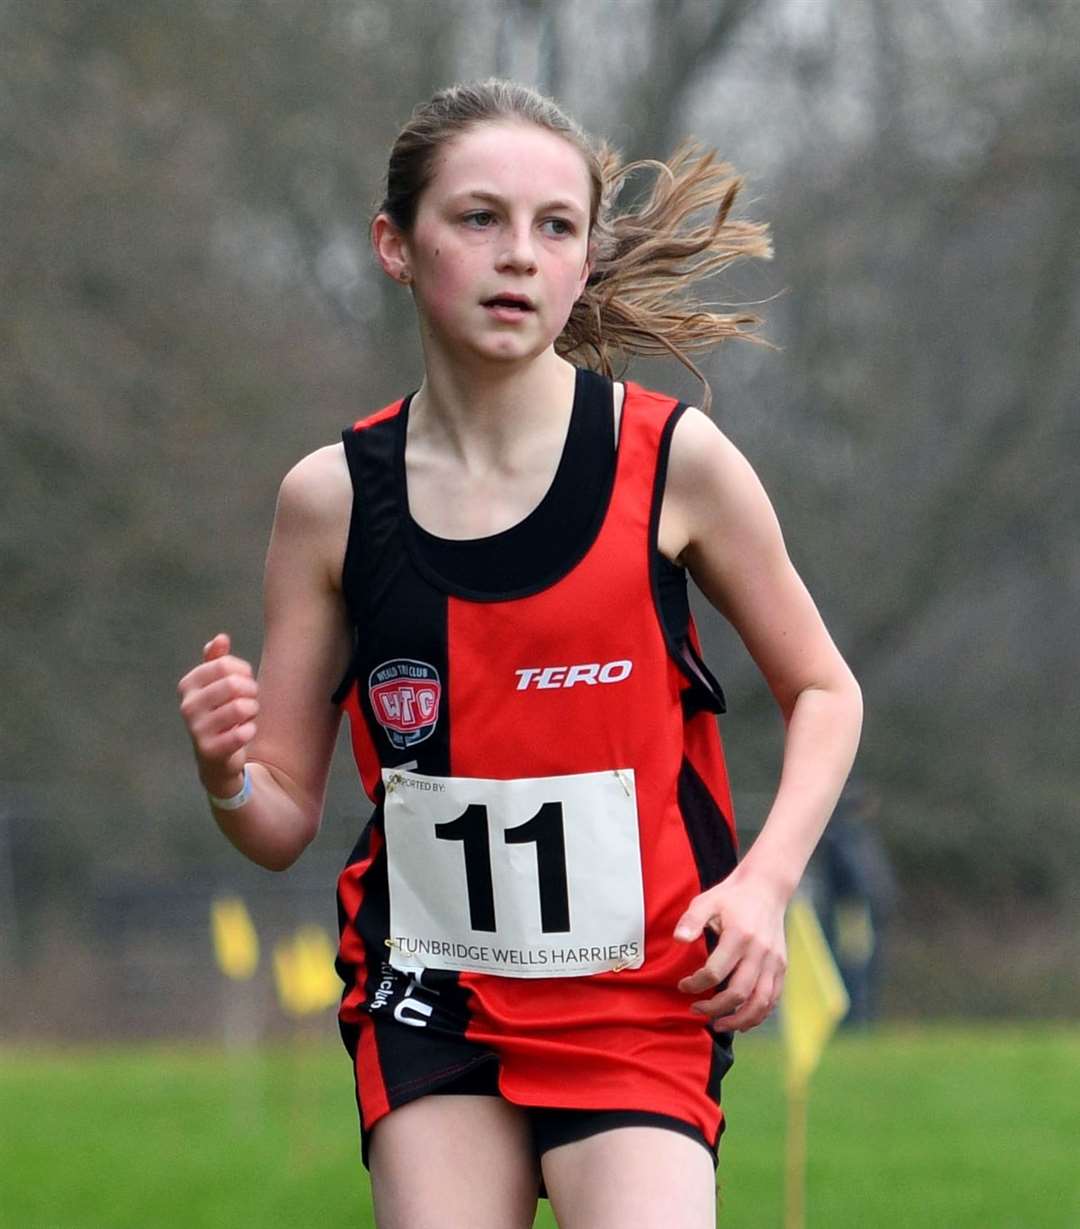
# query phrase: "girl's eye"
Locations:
[[481, 219], [559, 226]]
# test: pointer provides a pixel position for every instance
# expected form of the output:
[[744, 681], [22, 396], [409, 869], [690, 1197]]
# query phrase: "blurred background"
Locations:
[[189, 306]]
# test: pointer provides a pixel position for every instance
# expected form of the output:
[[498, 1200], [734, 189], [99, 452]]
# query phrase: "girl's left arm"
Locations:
[[717, 519]]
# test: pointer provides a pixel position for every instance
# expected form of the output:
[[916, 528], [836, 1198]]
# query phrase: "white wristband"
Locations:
[[237, 800]]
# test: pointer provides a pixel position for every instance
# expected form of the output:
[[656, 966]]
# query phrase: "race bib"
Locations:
[[535, 877]]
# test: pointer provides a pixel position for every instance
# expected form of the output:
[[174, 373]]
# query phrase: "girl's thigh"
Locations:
[[634, 1177], [454, 1162]]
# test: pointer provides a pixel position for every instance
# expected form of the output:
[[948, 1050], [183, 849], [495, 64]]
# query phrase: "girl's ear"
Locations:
[[391, 249]]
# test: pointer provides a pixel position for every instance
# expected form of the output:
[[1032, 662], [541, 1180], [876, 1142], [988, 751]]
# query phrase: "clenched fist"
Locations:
[[219, 703]]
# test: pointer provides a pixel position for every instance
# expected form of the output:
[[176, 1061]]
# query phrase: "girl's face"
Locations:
[[499, 250]]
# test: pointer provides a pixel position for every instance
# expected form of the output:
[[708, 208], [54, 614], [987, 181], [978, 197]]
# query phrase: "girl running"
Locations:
[[546, 942]]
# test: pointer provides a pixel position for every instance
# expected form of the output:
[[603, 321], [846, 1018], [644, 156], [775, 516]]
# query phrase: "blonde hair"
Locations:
[[645, 259]]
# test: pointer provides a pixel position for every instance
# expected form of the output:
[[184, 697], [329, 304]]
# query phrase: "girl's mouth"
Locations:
[[509, 303]]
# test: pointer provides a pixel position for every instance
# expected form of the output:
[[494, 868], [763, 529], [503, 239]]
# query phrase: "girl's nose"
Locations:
[[518, 254]]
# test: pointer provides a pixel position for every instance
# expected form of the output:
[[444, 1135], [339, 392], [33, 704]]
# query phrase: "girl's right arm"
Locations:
[[287, 750]]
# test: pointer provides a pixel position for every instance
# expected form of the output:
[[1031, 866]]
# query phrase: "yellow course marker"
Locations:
[[813, 1004], [236, 945], [304, 972]]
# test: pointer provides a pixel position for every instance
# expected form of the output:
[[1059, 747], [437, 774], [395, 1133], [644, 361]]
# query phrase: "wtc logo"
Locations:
[[405, 697]]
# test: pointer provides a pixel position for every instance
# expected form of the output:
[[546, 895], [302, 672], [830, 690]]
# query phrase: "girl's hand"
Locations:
[[750, 959], [219, 703]]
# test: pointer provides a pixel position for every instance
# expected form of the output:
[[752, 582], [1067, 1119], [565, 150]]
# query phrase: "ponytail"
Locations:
[[638, 299]]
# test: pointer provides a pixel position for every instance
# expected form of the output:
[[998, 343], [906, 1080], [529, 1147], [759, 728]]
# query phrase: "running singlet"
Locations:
[[540, 745]]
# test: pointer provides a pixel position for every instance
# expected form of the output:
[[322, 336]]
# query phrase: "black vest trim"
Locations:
[[671, 600]]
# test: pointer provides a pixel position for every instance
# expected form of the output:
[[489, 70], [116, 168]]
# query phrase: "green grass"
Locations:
[[938, 1128]]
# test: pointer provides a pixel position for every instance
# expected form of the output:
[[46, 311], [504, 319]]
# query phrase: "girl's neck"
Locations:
[[484, 418]]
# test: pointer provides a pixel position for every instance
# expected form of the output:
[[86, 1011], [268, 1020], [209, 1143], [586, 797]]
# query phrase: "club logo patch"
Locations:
[[405, 697]]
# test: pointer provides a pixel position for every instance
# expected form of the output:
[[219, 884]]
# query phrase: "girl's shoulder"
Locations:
[[696, 441], [311, 522], [714, 492], [317, 491], [700, 450]]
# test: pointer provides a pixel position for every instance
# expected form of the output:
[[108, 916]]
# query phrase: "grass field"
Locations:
[[938, 1128]]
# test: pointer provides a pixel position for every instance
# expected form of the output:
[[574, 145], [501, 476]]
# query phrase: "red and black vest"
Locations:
[[562, 646]]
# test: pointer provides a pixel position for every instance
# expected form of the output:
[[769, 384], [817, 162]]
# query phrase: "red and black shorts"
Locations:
[[477, 1074]]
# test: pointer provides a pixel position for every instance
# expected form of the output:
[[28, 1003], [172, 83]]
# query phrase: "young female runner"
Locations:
[[546, 943]]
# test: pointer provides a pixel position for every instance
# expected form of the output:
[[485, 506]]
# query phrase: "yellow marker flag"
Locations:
[[813, 1003], [304, 972], [814, 1000], [236, 945]]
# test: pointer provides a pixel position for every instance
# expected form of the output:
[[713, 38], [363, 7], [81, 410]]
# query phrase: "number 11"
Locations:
[[545, 828]]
